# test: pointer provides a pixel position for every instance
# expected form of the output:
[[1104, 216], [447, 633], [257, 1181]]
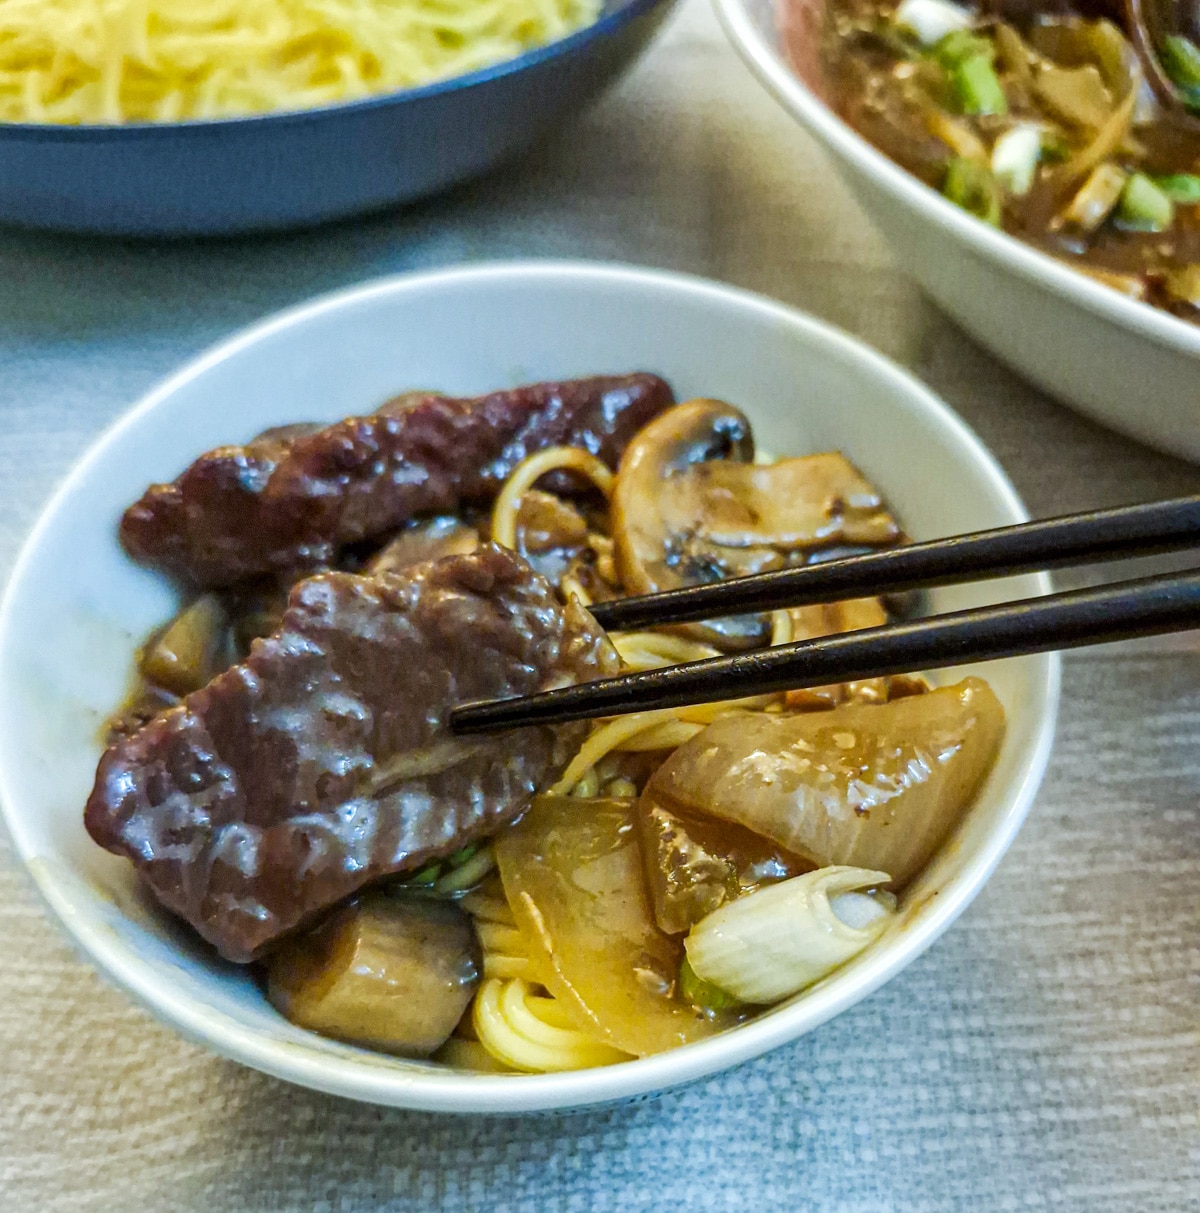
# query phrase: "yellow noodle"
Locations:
[[526, 1031], [653, 650], [527, 473], [497, 937], [661, 729], [783, 629], [113, 61], [488, 905], [496, 964], [505, 953], [572, 589], [517, 1023], [588, 786], [706, 713], [469, 1055], [604, 740], [669, 735]]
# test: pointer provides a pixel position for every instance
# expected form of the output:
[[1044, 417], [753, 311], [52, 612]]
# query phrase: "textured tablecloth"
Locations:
[[1044, 1055]]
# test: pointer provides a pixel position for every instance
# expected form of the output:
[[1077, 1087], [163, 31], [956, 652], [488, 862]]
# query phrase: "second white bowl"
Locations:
[[1124, 363]]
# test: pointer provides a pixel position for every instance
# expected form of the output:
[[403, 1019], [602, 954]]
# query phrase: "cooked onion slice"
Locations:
[[866, 786], [775, 942]]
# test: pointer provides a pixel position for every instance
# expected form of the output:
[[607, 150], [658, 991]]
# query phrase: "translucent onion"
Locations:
[[865, 786], [931, 20], [781, 939], [1015, 157]]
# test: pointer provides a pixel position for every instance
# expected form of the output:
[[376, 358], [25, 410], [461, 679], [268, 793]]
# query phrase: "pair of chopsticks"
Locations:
[[1148, 606]]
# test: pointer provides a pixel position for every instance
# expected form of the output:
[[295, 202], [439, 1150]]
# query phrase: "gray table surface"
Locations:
[[1044, 1055]]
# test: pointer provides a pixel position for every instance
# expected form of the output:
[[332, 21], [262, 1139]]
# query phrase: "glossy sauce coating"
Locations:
[[294, 497], [323, 762]]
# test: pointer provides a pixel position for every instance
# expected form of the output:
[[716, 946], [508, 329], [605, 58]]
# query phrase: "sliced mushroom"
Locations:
[[424, 539], [551, 533], [193, 649], [689, 506], [386, 972]]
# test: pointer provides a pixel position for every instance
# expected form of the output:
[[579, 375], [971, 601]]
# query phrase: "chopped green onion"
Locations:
[[1055, 147], [461, 857], [1183, 188], [427, 875], [978, 87], [1180, 58], [700, 993], [960, 45], [973, 187], [1144, 207], [931, 20]]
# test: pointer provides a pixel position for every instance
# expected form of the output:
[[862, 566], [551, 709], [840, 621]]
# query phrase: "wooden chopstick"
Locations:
[[1136, 530], [1148, 606]]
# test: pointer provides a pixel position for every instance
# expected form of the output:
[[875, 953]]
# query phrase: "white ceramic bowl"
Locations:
[[1126, 364], [76, 609]]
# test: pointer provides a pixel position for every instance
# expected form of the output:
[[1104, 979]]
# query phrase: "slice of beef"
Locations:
[[294, 496], [323, 762]]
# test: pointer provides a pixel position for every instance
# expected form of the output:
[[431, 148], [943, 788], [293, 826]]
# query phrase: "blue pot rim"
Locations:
[[608, 24]]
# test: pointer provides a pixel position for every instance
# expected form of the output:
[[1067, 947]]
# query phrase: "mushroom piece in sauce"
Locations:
[[690, 506], [385, 972]]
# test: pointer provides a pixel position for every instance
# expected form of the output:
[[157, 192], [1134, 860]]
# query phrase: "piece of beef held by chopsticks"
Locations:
[[293, 497], [324, 761]]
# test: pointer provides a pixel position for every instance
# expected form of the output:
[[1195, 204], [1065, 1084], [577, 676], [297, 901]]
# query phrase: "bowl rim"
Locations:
[[996, 246], [440, 1089], [606, 24]]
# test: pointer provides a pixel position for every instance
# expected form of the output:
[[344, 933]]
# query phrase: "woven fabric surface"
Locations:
[[1044, 1055]]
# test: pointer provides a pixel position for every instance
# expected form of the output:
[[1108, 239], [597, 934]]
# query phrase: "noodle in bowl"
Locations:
[[171, 60], [163, 118]]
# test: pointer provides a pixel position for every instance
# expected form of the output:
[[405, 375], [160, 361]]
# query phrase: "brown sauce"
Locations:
[[903, 98]]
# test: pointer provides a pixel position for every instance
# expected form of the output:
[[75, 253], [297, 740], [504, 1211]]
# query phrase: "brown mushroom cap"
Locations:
[[690, 506]]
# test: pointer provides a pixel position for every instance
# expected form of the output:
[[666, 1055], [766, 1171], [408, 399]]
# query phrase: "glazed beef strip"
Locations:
[[294, 496], [324, 762]]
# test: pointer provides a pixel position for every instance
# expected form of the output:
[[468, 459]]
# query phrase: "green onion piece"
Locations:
[[1180, 58], [1055, 148], [427, 875], [960, 45], [460, 857], [1183, 188], [1144, 207], [978, 87], [700, 993], [973, 187]]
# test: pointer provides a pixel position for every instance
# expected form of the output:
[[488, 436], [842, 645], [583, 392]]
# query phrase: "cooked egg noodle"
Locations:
[[513, 1018], [118, 61]]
